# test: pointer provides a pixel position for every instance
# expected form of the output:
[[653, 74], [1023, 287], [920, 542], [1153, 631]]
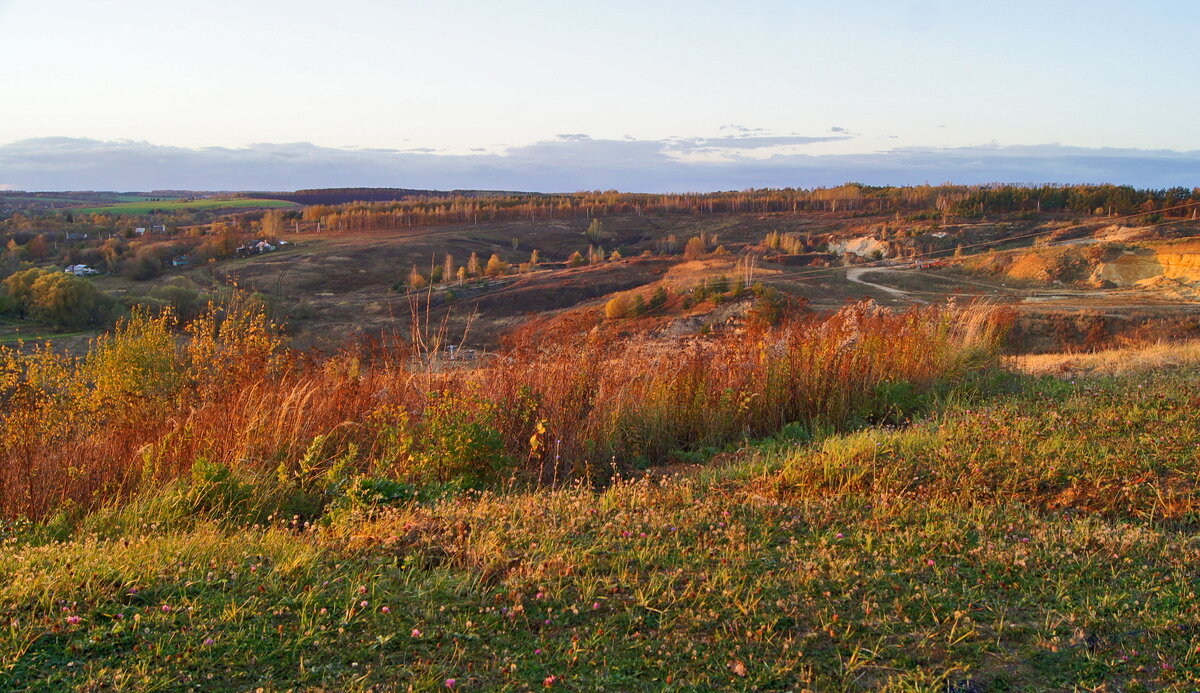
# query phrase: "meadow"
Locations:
[[866, 500], [143, 206], [14, 331]]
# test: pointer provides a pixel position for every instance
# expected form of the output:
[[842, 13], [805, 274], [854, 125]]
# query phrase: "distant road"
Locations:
[[855, 274]]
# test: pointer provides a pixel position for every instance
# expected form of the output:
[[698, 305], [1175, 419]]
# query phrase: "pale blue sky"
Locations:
[[701, 81]]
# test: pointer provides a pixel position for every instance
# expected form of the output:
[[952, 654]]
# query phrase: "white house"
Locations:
[[81, 270]]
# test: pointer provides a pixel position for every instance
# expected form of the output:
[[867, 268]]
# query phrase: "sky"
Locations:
[[559, 96]]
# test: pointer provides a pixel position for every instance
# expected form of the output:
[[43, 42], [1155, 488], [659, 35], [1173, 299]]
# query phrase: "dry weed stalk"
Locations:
[[142, 409]]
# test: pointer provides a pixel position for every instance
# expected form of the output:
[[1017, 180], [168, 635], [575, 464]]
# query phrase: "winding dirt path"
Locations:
[[855, 274]]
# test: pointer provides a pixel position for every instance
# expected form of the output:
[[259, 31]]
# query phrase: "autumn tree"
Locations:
[[496, 267], [595, 231], [694, 249], [11, 258], [64, 301], [618, 307], [416, 280], [272, 223], [473, 265], [56, 298], [39, 247], [111, 251]]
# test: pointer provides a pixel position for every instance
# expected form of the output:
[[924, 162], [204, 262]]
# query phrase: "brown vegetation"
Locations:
[[141, 409]]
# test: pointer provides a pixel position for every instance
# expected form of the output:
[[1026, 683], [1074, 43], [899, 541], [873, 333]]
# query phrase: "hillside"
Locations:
[[1039, 536], [505, 444]]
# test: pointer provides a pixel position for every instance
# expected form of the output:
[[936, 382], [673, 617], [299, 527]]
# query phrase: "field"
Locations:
[[343, 281], [144, 206], [67, 200], [1027, 533], [746, 468], [13, 331]]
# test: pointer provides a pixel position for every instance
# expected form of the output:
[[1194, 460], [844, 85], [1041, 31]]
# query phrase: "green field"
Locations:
[[42, 200], [146, 207], [13, 331]]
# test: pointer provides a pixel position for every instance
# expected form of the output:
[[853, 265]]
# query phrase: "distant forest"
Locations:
[[337, 196], [944, 201], [361, 209]]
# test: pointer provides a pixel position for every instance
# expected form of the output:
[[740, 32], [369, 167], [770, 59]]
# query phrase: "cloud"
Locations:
[[748, 142], [570, 163], [741, 128]]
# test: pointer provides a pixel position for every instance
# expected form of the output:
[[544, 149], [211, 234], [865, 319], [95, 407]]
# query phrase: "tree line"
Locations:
[[944, 200]]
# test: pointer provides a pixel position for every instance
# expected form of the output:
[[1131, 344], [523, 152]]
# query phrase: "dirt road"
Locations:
[[855, 274]]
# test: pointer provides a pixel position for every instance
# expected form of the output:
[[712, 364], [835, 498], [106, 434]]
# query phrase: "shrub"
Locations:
[[65, 301], [455, 442], [658, 299], [617, 307], [183, 299], [146, 265], [496, 267], [416, 280], [694, 249], [768, 308], [57, 298]]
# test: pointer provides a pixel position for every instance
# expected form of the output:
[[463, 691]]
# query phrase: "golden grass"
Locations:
[[1112, 361], [139, 411]]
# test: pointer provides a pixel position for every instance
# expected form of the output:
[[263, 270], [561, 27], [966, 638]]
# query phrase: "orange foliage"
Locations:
[[144, 407]]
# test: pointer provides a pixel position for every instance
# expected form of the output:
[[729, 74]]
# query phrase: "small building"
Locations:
[[253, 248], [81, 271]]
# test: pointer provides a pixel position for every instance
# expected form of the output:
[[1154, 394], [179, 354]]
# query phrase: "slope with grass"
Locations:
[[1041, 538], [1025, 533]]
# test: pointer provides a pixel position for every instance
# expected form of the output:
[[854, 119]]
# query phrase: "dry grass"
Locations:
[[1163, 355], [1039, 540], [140, 411]]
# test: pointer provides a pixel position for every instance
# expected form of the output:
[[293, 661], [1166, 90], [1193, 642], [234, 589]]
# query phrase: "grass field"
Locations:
[[146, 207], [13, 330], [1031, 534]]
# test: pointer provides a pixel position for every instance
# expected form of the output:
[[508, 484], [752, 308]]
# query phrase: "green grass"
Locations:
[[13, 330], [146, 207], [78, 201], [44, 200], [1042, 539]]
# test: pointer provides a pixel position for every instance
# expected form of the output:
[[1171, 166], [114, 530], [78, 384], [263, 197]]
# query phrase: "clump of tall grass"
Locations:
[[145, 406]]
